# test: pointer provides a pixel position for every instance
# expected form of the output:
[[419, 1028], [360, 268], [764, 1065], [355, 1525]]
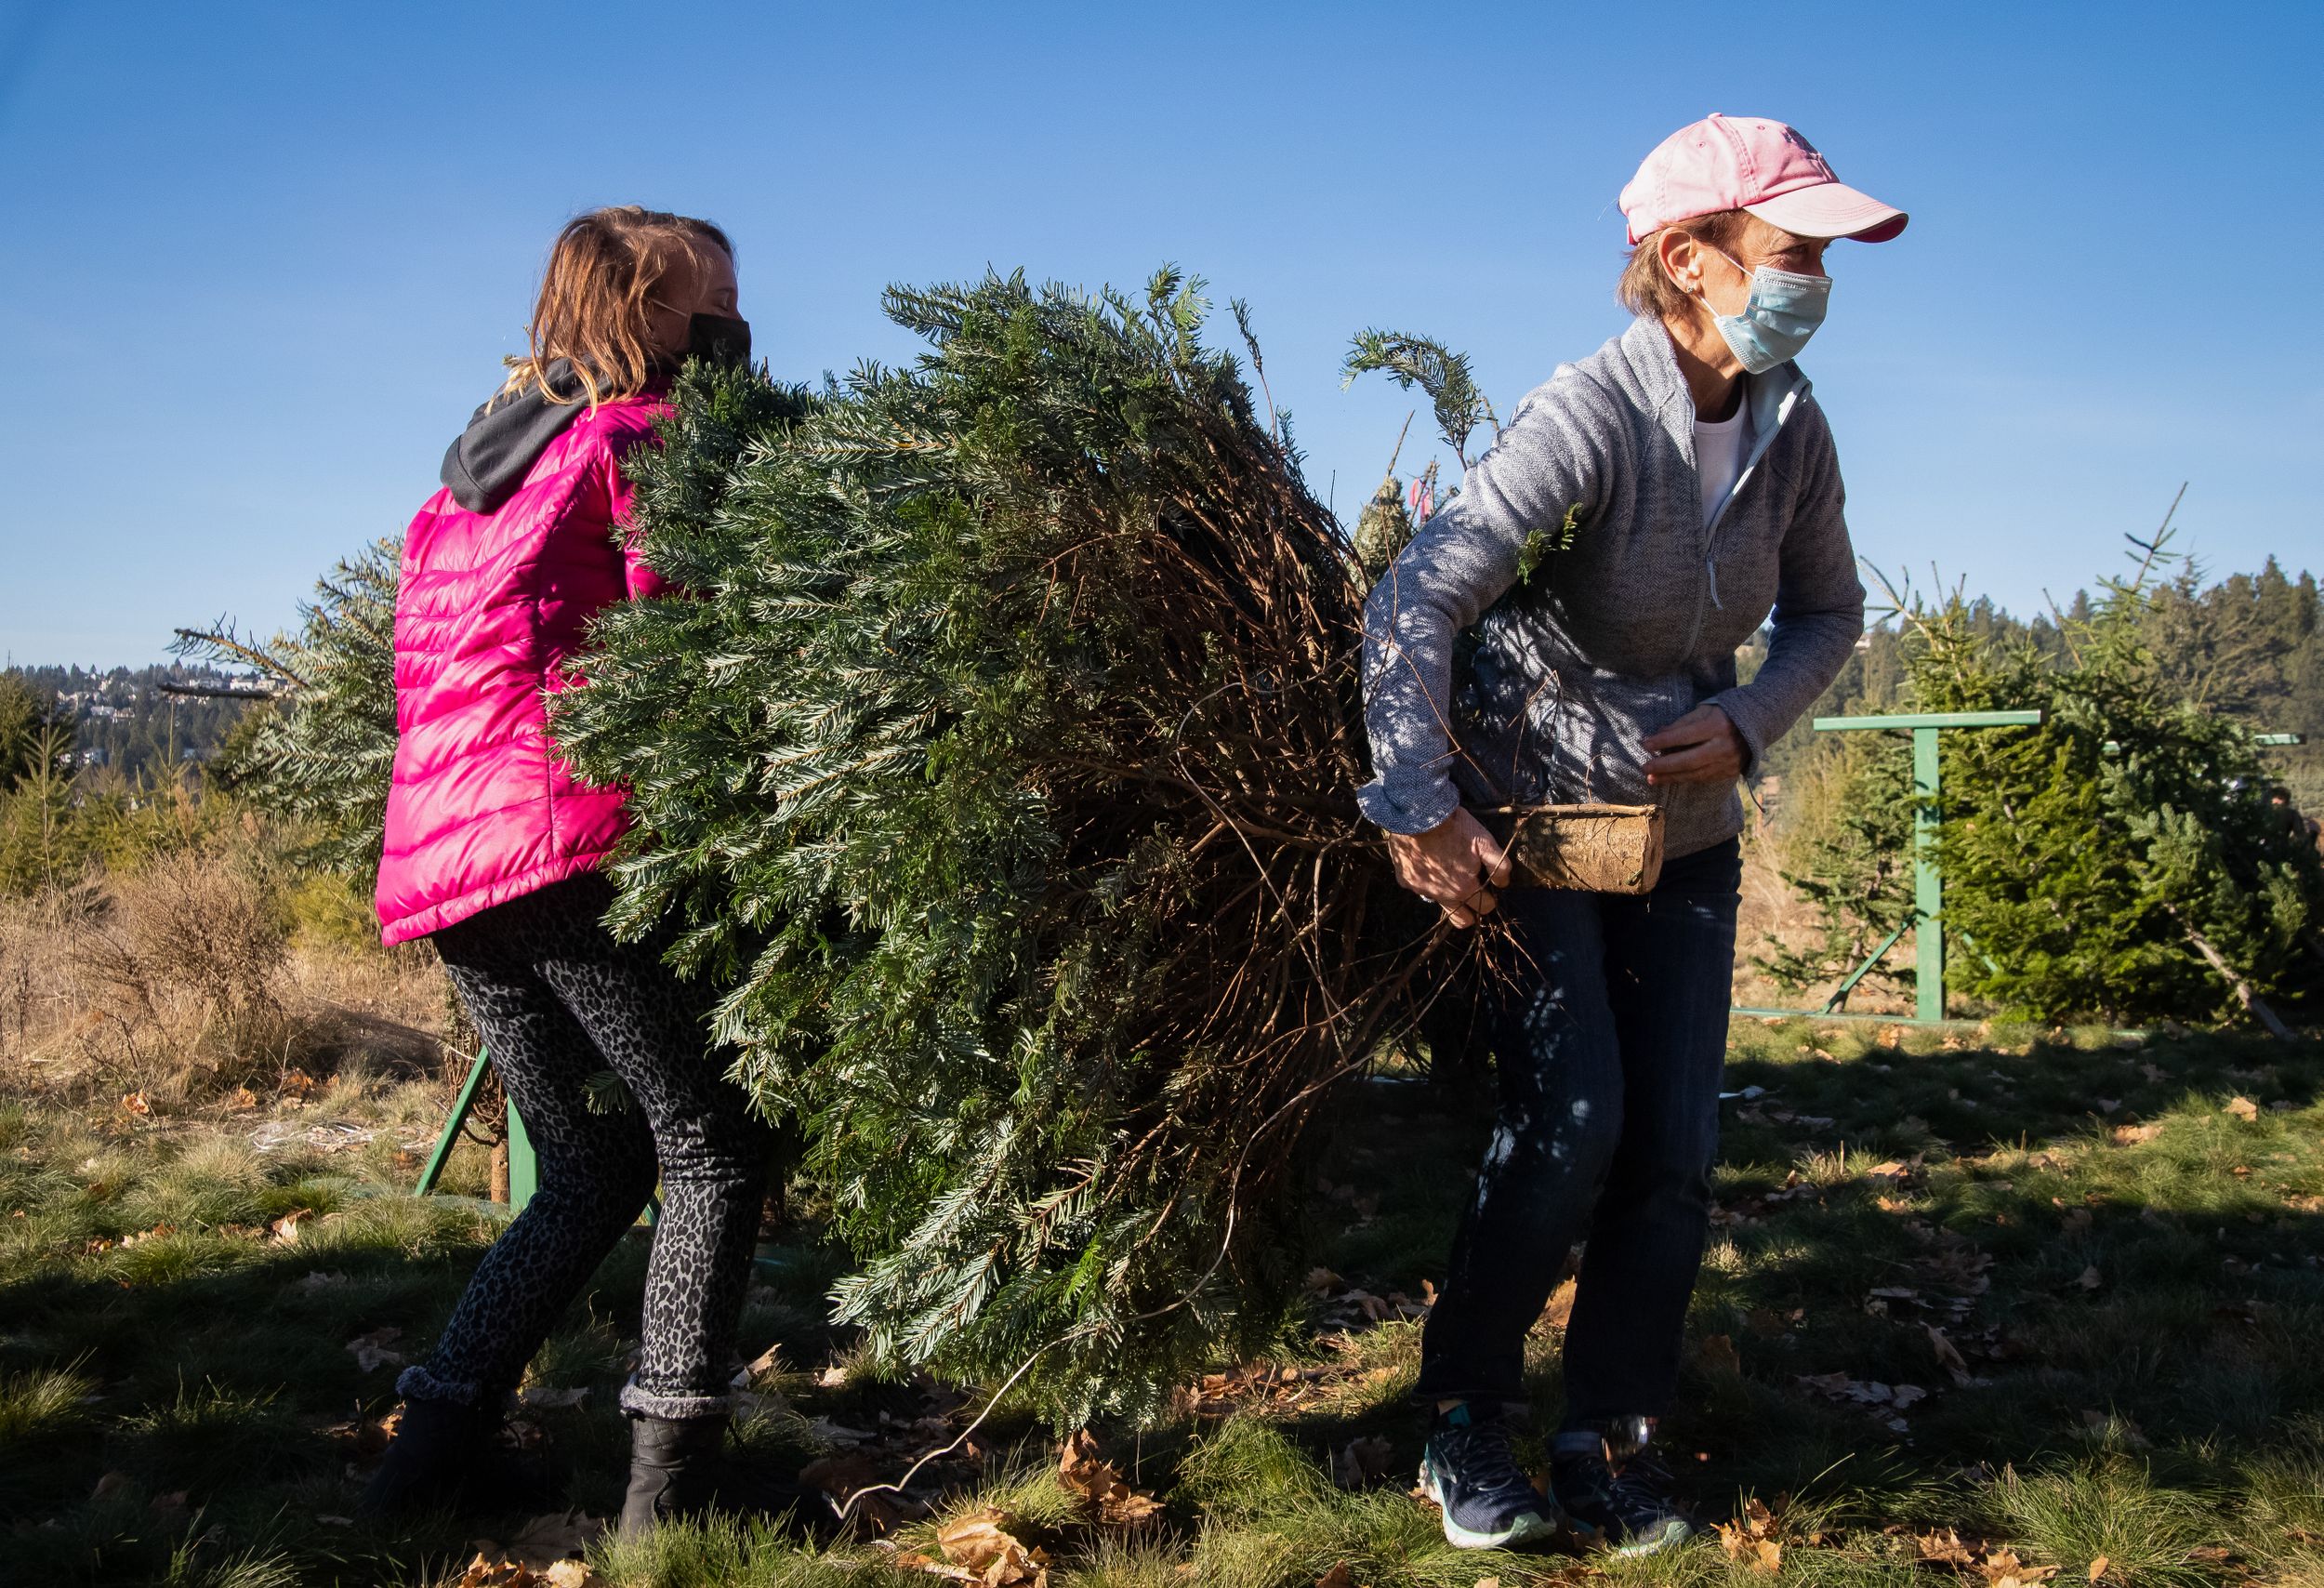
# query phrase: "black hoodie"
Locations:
[[505, 438]]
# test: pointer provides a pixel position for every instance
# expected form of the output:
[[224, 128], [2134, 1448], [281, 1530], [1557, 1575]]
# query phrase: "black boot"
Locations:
[[437, 1451], [674, 1467], [679, 1467]]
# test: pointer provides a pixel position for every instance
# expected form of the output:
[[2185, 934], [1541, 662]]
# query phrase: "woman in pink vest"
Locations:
[[493, 853]]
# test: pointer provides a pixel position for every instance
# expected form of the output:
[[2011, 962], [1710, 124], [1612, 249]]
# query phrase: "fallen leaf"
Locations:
[[1948, 1355], [545, 1550], [1718, 1356], [538, 1397], [850, 1476], [1945, 1548], [371, 1351], [285, 1229], [2098, 1568], [2130, 1135], [135, 1102], [1337, 1577], [1083, 1471], [243, 1100], [2243, 1109], [107, 1483], [2090, 1278], [2003, 1569], [981, 1543], [1359, 1461]]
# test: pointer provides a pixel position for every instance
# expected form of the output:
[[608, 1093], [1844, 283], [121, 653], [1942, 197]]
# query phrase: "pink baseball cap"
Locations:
[[1752, 163]]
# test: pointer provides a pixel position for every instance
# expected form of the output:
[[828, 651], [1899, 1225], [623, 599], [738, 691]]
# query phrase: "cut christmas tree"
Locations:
[[1001, 764]]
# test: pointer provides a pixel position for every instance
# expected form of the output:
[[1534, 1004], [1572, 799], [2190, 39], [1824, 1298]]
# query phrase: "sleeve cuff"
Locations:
[[1753, 732], [1417, 811]]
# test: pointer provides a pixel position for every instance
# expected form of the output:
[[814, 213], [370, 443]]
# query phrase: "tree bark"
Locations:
[[2252, 1001]]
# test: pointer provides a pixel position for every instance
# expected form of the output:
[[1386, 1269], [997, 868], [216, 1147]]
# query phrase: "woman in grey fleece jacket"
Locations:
[[1704, 491]]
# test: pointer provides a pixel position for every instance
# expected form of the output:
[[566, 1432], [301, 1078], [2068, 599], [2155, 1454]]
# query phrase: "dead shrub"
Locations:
[[183, 967]]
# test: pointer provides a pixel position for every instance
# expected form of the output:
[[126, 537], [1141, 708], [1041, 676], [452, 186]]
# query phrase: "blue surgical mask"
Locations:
[[1781, 314]]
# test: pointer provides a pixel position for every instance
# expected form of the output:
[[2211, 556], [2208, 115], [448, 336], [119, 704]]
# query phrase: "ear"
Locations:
[[1682, 259]]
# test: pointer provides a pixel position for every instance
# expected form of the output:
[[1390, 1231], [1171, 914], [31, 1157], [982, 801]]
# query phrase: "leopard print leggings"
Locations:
[[557, 1000]]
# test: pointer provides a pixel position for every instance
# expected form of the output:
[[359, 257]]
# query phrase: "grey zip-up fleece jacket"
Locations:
[[1627, 630]]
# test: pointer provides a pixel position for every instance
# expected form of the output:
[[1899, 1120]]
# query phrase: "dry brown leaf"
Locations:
[[981, 1543], [135, 1102], [1945, 1548], [1949, 1355], [2098, 1568], [1359, 1461], [371, 1351], [285, 1229], [2003, 1569], [852, 1474], [2130, 1135], [540, 1396], [1718, 1356], [2243, 1109], [1339, 1576], [1083, 1471], [1748, 1542], [2090, 1278], [243, 1100], [545, 1540]]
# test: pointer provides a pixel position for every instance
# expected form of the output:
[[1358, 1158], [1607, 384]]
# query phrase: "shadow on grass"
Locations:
[[2061, 1289]]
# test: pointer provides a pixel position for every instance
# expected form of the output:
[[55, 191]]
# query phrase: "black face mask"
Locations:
[[719, 337]]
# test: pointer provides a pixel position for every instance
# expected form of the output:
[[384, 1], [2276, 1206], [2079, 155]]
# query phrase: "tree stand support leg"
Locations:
[[523, 1169]]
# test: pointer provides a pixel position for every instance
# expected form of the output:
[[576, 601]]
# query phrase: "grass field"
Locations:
[[1993, 1308]]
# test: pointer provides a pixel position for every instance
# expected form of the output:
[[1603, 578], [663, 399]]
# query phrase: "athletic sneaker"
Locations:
[[1467, 1468], [1626, 1506]]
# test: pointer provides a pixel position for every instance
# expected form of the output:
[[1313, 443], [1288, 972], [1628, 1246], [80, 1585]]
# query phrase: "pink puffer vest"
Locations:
[[489, 608]]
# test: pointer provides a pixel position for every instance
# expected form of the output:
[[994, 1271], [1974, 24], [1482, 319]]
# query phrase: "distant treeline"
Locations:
[[120, 719], [2249, 647]]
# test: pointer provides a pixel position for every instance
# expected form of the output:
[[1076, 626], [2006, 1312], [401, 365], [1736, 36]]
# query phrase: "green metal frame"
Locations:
[[524, 1173], [1927, 921], [1928, 885]]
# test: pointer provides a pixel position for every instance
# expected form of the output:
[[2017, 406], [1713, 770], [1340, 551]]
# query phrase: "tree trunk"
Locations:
[[2252, 1001]]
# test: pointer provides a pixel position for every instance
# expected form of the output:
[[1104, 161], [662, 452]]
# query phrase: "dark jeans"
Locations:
[[1609, 1043], [558, 1000]]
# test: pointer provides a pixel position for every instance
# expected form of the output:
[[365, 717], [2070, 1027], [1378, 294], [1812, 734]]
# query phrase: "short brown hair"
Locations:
[[591, 310], [1647, 287]]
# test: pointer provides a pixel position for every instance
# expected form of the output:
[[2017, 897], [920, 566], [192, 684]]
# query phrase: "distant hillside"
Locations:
[[122, 721]]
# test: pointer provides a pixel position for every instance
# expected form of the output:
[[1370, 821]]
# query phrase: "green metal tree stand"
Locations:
[[525, 1175], [1927, 921]]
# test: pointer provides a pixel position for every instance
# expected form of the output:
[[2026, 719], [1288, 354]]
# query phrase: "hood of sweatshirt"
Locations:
[[505, 438]]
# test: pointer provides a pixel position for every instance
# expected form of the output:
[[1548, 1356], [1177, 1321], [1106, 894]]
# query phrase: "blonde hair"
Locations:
[[1646, 288], [591, 311]]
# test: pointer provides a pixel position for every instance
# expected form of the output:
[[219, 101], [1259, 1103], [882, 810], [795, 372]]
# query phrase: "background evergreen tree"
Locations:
[[319, 752]]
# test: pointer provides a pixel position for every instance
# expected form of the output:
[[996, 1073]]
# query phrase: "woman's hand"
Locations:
[[1455, 865], [1702, 746]]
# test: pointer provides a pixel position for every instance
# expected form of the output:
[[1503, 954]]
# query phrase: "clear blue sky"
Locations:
[[259, 262]]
